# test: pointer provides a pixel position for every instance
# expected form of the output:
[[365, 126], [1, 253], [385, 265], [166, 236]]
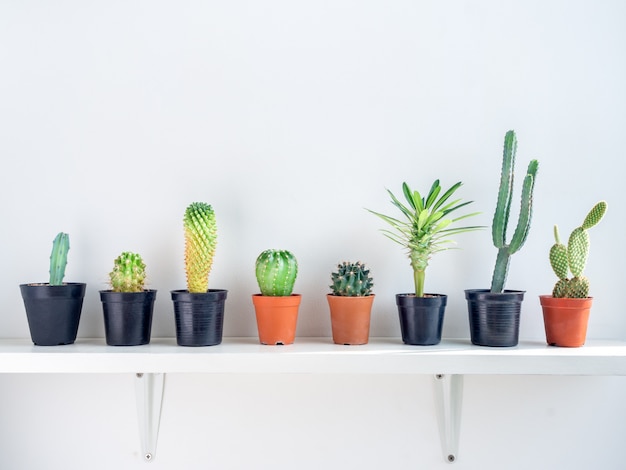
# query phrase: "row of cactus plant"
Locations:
[[425, 232]]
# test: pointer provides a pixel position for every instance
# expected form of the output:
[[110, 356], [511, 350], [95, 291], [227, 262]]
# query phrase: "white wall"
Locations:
[[290, 118]]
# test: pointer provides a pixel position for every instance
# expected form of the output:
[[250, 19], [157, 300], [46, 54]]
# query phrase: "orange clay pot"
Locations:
[[276, 318], [565, 320], [350, 318]]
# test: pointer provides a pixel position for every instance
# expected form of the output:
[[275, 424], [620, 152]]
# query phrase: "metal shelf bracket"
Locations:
[[448, 402], [149, 398]]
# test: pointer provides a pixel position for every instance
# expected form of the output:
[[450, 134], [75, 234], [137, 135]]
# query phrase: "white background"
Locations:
[[291, 118]]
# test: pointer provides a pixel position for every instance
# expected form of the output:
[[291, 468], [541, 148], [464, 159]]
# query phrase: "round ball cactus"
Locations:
[[351, 280], [129, 273], [276, 272]]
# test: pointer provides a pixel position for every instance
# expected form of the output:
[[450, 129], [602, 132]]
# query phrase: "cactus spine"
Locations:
[[200, 242], [573, 257], [58, 258], [276, 272], [503, 208], [351, 280], [129, 273]]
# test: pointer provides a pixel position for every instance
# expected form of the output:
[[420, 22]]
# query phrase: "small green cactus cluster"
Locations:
[[200, 243], [573, 257], [58, 258], [503, 208], [276, 272], [351, 280], [129, 273]]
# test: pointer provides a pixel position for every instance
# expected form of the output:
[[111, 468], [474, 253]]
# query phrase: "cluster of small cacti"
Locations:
[[503, 208], [573, 257], [200, 243], [351, 280], [276, 272], [58, 258], [129, 273]]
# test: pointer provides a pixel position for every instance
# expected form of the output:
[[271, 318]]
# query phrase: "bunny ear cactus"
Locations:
[[503, 208], [200, 243], [129, 273], [573, 257], [276, 272], [58, 258], [351, 280], [427, 226]]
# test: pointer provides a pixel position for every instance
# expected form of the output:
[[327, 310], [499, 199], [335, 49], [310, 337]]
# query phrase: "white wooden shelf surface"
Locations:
[[314, 355]]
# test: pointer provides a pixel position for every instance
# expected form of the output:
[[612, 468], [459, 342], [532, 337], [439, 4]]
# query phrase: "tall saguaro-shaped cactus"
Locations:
[[58, 258], [200, 243], [503, 209]]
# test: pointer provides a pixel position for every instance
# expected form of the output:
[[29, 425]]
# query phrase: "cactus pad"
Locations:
[[595, 215], [129, 273], [351, 280]]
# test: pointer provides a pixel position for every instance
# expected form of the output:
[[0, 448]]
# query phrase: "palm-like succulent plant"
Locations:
[[427, 228]]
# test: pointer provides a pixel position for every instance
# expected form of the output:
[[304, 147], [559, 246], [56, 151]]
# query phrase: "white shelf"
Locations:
[[314, 356]]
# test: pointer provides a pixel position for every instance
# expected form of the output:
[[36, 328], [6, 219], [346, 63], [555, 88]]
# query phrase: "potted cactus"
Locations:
[[53, 309], [128, 305], [276, 307], [198, 310], [494, 313], [566, 311], [350, 303], [425, 232]]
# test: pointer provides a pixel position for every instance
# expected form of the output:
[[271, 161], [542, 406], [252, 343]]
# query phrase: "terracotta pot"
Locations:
[[350, 318], [276, 318], [565, 320]]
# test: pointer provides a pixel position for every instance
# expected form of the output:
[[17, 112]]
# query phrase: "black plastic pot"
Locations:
[[421, 318], [199, 317], [53, 312], [127, 317], [494, 317]]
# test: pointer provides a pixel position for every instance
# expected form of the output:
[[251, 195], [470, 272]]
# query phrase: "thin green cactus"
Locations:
[[503, 209], [129, 273], [58, 258], [276, 272], [200, 242], [573, 257], [351, 280]]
